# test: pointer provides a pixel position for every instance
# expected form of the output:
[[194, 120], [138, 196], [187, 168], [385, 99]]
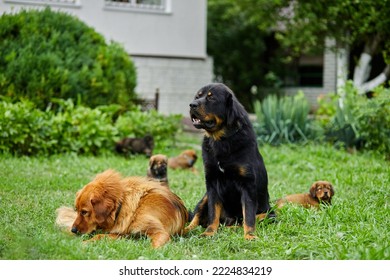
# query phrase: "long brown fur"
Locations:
[[126, 207], [320, 192], [185, 160]]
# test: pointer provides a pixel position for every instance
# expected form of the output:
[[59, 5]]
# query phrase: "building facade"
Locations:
[[166, 40]]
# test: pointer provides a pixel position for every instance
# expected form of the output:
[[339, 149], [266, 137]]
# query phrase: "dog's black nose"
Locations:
[[193, 105], [74, 230]]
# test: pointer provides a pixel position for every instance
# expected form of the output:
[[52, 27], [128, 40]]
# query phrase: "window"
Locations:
[[307, 71], [68, 3], [139, 5]]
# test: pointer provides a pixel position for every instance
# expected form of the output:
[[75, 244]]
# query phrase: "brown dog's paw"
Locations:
[[159, 239]]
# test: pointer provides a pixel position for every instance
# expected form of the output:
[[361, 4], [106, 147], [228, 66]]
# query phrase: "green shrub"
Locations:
[[374, 122], [327, 106], [137, 123], [46, 54], [284, 120], [360, 122], [342, 130], [26, 130]]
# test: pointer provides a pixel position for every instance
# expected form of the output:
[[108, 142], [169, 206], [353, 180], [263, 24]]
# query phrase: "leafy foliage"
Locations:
[[373, 118], [284, 120], [306, 24], [246, 62], [46, 54], [137, 123], [26, 130], [361, 123]]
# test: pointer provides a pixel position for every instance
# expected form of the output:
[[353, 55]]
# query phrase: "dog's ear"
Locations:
[[234, 109], [103, 208], [313, 189], [331, 190], [231, 108]]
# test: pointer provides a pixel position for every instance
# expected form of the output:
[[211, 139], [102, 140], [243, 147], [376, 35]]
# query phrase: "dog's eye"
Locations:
[[83, 212]]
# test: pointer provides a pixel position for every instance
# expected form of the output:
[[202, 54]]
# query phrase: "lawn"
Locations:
[[356, 226]]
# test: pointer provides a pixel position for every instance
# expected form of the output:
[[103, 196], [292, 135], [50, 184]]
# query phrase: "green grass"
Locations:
[[356, 226]]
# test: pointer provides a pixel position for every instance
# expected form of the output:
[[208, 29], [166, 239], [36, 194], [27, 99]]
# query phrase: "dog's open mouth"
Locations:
[[205, 124]]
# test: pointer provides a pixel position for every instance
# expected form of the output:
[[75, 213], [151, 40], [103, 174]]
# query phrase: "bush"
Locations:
[[359, 122], [373, 117], [46, 54], [284, 120], [342, 129], [26, 130], [137, 123]]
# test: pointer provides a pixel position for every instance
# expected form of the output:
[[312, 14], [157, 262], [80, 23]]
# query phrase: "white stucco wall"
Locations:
[[179, 32], [177, 80]]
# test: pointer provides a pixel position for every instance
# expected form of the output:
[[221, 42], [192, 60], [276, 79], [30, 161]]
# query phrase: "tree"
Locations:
[[244, 57], [304, 25]]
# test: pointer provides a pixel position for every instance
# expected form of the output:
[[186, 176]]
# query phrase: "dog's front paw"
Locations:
[[250, 236], [209, 232]]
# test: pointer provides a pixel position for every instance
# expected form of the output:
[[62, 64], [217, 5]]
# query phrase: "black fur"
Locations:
[[236, 177]]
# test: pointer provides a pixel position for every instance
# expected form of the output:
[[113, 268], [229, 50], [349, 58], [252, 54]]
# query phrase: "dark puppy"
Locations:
[[320, 192], [185, 160], [236, 177], [129, 146], [157, 169]]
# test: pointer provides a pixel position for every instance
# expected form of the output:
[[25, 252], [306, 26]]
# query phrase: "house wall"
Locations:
[[168, 47], [177, 79]]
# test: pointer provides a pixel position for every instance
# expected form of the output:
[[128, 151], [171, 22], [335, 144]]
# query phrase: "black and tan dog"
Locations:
[[185, 160], [236, 177], [320, 192], [141, 145], [158, 170]]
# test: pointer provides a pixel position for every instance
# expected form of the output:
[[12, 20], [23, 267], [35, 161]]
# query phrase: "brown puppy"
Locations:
[[157, 169], [126, 207], [185, 160], [320, 192], [128, 146]]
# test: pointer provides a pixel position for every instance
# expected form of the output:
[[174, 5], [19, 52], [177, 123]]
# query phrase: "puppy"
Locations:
[[127, 146], [131, 206], [320, 192], [235, 174], [185, 160], [157, 169]]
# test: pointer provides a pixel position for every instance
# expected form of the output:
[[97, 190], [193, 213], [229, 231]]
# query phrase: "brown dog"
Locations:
[[126, 207], [185, 160], [320, 192], [128, 146], [157, 169]]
